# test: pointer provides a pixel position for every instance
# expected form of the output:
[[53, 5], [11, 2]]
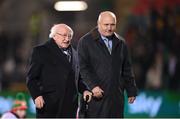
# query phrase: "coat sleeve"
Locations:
[[87, 73], [82, 85], [33, 76], [127, 74]]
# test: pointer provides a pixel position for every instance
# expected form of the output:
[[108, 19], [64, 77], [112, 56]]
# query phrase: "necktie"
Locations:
[[108, 45]]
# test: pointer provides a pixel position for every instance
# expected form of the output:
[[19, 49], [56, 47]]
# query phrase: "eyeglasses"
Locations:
[[65, 35]]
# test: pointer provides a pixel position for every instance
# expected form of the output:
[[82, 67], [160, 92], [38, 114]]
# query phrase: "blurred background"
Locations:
[[151, 29]]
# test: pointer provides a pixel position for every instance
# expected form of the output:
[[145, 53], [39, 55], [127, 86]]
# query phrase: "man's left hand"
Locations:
[[131, 99]]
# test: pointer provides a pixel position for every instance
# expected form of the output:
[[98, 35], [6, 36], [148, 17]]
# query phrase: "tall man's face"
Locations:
[[63, 37], [106, 24]]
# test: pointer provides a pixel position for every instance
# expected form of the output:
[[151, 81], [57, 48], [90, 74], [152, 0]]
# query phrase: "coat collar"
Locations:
[[53, 47], [116, 39]]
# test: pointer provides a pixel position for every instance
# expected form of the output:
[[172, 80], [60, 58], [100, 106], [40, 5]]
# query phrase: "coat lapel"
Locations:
[[115, 42], [51, 45], [100, 43], [74, 59]]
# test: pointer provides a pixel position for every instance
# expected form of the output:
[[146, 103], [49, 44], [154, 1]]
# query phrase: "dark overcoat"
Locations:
[[112, 72], [52, 76]]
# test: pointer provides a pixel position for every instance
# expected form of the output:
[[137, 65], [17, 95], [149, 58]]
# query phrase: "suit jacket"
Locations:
[[112, 72], [52, 76]]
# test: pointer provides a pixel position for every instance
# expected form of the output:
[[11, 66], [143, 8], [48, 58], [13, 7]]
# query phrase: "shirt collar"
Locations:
[[104, 38]]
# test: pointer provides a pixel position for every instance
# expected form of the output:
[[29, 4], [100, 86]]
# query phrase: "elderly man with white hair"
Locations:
[[105, 66], [53, 76]]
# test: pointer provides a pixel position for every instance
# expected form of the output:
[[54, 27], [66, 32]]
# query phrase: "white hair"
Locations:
[[53, 30], [105, 13]]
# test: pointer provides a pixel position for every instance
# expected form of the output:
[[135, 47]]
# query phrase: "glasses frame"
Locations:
[[65, 35]]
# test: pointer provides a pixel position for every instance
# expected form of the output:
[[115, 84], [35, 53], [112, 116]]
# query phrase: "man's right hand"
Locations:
[[97, 92], [87, 93], [39, 102]]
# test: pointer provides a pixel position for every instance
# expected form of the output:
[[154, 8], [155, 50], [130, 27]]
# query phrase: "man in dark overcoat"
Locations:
[[53, 76], [105, 67]]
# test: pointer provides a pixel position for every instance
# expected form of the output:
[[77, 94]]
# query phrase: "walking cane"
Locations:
[[86, 106]]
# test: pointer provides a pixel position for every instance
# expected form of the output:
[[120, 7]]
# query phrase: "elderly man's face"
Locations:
[[63, 37], [107, 25]]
